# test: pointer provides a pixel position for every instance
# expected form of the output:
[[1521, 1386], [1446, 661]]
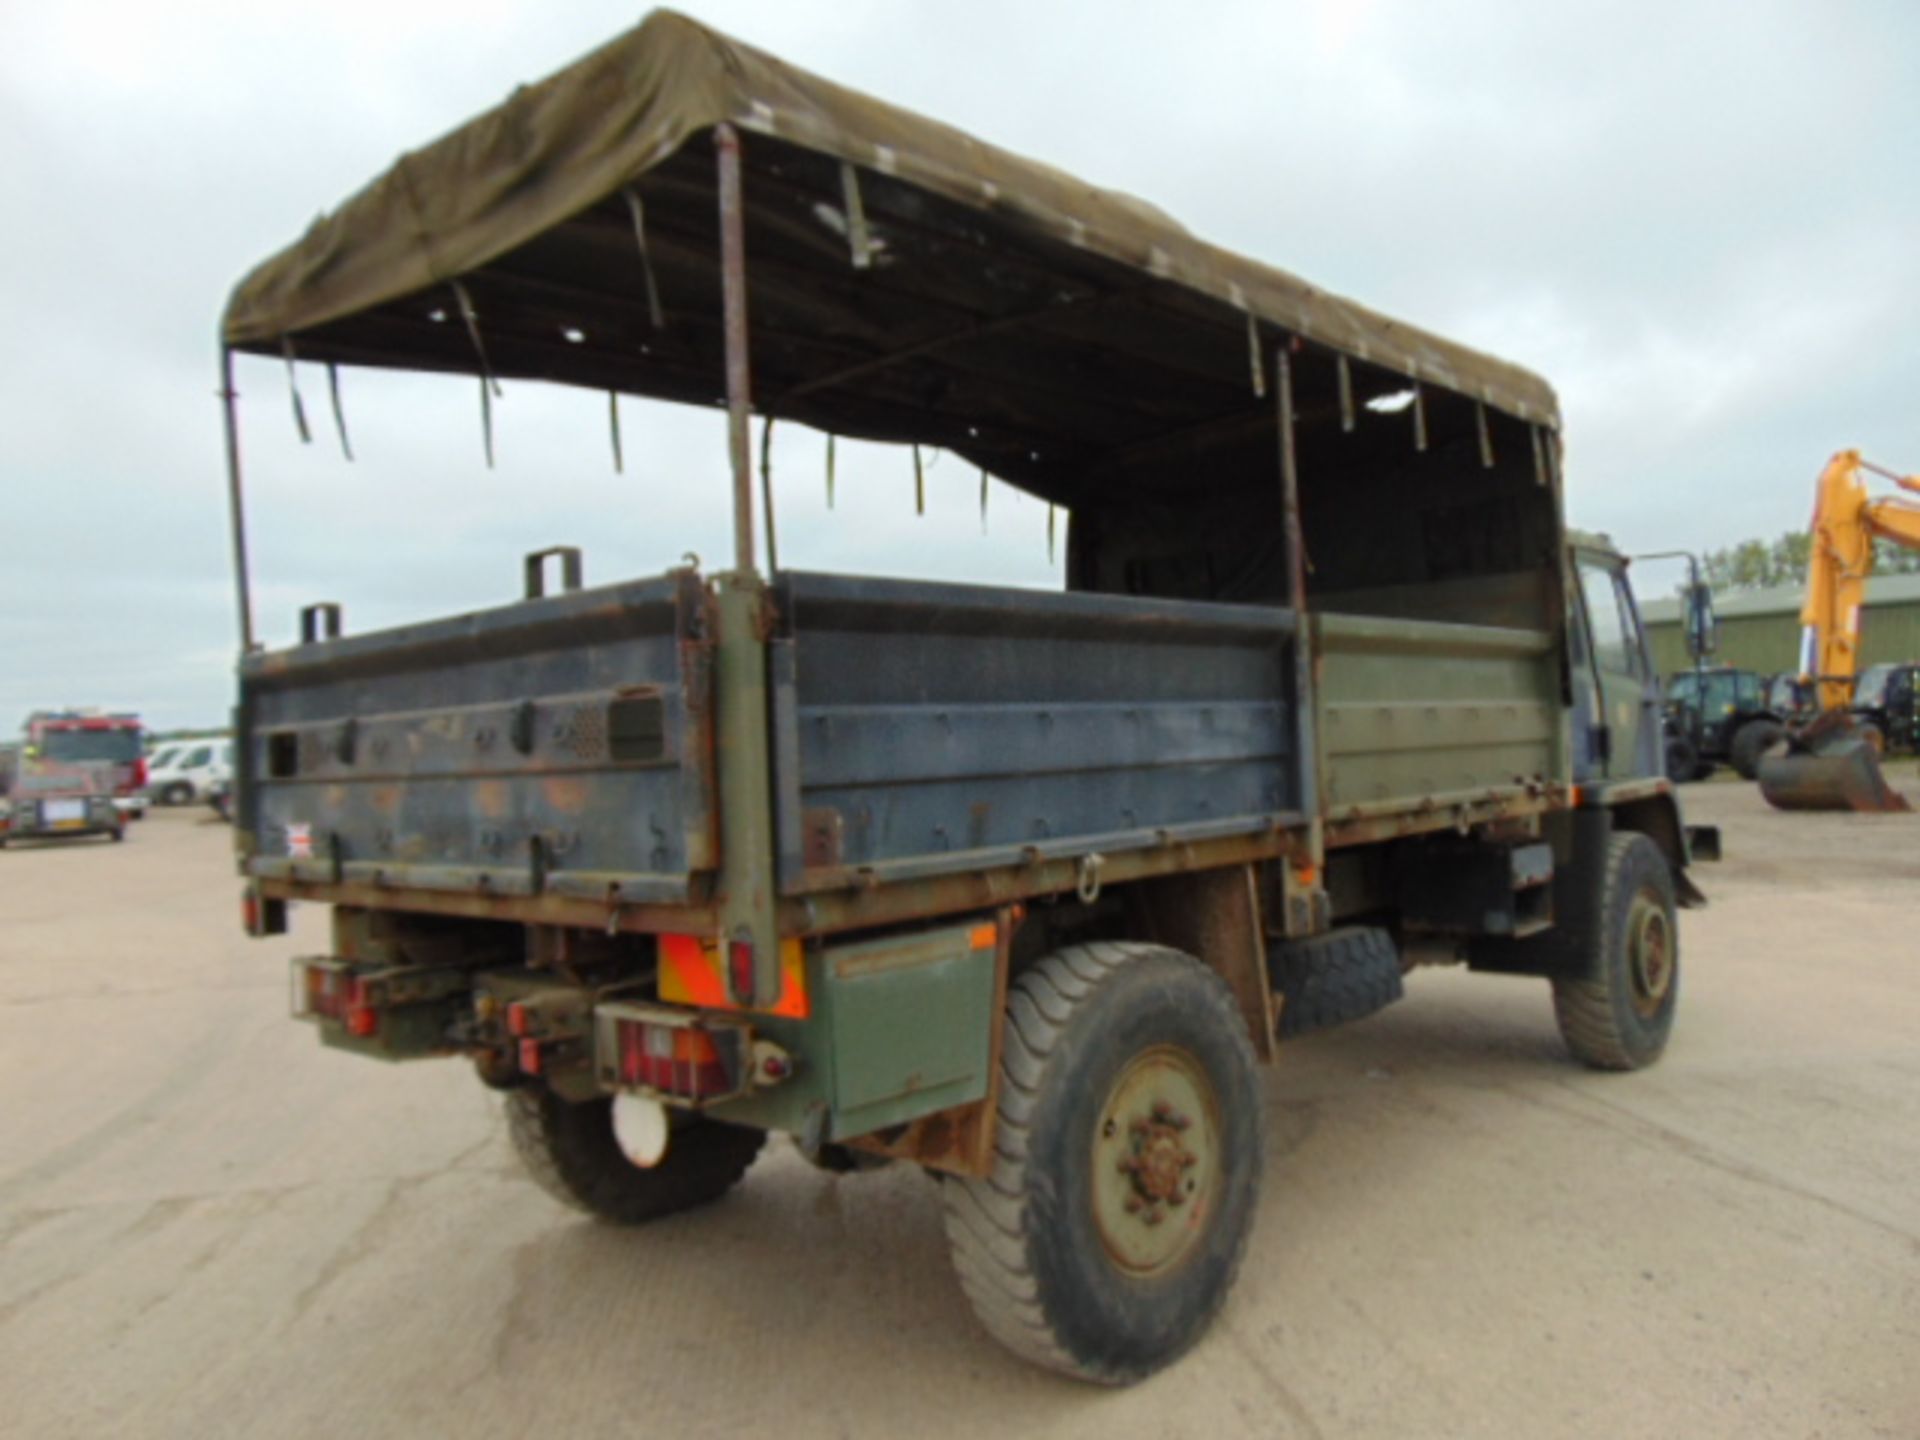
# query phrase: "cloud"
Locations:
[[1696, 221]]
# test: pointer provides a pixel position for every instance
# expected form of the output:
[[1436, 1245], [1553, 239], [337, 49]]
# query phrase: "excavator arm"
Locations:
[[1829, 764], [1846, 522]]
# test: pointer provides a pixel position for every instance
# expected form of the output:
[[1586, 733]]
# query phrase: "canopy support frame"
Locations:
[[236, 502], [733, 285], [1304, 679]]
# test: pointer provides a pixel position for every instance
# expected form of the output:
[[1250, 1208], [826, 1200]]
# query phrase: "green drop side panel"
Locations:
[[911, 1018], [1420, 712]]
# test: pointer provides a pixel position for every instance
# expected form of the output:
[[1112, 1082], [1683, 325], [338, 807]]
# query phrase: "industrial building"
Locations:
[[1760, 629]]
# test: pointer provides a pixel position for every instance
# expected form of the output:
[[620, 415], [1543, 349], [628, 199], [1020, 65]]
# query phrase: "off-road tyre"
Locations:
[[569, 1151], [1333, 978], [1751, 742], [1682, 760], [1083, 1027], [1615, 1018]]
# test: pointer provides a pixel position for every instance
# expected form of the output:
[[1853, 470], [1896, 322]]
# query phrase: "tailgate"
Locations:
[[561, 745]]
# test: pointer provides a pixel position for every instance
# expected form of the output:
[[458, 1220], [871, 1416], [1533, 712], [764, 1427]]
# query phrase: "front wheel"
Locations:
[[178, 793], [571, 1152], [1682, 760], [1127, 1167], [1619, 1014]]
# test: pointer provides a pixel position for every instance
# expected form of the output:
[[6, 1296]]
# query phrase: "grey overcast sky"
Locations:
[[1701, 222]]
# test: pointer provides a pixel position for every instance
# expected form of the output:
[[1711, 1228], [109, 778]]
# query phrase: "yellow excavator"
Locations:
[[1830, 763]]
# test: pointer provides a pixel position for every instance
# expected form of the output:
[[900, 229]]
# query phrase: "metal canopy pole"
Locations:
[[236, 510], [733, 282], [1303, 889], [1290, 492]]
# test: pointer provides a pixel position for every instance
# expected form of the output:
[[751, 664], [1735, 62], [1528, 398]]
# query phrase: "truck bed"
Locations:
[[1422, 716], [565, 746]]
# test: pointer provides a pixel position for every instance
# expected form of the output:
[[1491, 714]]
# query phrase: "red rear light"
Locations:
[[740, 968], [530, 1056], [325, 992], [516, 1019], [672, 1060], [140, 773], [261, 916]]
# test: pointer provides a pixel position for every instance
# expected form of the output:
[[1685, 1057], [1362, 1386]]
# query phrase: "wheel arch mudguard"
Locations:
[[1657, 816]]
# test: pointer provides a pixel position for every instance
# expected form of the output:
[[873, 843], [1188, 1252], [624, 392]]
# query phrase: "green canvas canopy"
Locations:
[[906, 281]]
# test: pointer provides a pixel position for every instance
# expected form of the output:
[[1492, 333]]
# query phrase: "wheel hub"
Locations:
[[1156, 1161], [1649, 954], [1158, 1164]]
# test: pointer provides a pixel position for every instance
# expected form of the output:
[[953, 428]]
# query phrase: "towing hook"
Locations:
[[1087, 882]]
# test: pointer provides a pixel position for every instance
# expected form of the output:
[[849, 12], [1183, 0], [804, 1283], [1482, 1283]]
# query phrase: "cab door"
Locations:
[[1623, 739]]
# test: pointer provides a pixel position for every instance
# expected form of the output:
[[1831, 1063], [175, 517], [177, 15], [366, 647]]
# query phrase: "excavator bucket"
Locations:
[[1828, 766]]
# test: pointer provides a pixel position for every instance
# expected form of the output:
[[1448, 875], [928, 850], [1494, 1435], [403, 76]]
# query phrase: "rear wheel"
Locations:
[[1619, 1015], [570, 1152], [1127, 1166]]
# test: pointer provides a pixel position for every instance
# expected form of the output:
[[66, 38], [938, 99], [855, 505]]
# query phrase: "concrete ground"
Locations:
[[211, 1227]]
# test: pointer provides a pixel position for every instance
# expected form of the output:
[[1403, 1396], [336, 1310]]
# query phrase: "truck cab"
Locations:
[[1616, 691], [90, 737]]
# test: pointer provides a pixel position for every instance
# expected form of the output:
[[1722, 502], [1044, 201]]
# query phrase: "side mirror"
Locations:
[[1703, 627]]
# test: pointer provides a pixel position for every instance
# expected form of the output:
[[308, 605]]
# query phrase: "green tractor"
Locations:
[[1718, 716]]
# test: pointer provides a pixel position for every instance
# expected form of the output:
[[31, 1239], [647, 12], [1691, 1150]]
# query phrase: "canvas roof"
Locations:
[[1063, 336]]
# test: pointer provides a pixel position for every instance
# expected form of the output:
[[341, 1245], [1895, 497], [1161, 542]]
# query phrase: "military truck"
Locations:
[[1020, 887]]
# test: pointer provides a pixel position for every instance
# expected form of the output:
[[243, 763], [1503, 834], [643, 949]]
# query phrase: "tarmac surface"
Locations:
[[211, 1226]]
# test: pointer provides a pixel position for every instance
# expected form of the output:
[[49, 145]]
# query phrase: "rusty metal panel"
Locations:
[[558, 746], [938, 728]]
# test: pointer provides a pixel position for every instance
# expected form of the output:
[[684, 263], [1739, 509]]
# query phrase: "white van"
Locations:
[[188, 771]]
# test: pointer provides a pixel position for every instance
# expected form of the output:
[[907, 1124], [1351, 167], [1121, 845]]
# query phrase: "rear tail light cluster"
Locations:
[[260, 916], [329, 991], [405, 1008], [673, 1055], [674, 1062]]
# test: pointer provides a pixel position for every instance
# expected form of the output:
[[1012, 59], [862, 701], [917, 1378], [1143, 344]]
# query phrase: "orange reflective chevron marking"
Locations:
[[691, 974], [793, 1000]]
